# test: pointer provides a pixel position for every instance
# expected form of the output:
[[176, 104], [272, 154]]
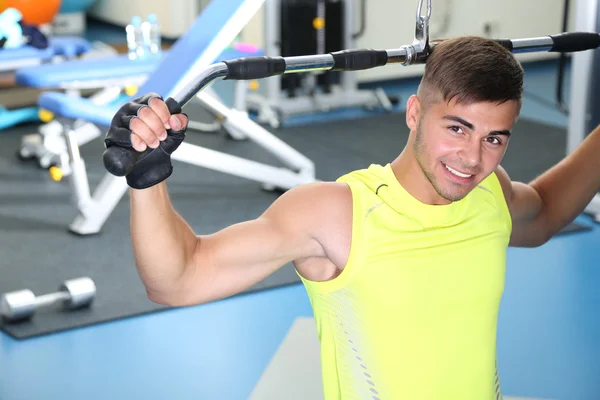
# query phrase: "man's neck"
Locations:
[[411, 177]]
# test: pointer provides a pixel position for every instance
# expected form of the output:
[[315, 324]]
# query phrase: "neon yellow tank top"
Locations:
[[413, 315]]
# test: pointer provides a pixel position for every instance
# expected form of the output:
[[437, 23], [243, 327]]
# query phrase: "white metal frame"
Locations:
[[94, 210], [51, 147], [48, 145], [584, 102], [274, 105]]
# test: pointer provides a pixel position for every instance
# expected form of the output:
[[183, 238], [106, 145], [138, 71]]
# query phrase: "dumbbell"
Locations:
[[73, 294]]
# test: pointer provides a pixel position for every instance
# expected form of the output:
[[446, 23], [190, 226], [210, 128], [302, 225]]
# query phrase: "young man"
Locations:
[[404, 263]]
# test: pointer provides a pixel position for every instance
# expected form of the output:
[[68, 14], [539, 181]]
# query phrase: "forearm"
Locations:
[[163, 243], [567, 188]]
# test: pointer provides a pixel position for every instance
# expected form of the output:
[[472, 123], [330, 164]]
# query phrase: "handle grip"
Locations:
[[120, 160], [258, 67], [575, 41], [356, 60]]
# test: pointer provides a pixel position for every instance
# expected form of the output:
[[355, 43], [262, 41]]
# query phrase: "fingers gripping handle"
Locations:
[[119, 160]]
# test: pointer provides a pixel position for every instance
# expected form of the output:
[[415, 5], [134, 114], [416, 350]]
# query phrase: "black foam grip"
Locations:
[[575, 41], [254, 67], [355, 60], [506, 43], [173, 106], [120, 161]]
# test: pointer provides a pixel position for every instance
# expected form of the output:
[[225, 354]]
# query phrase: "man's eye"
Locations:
[[494, 140], [456, 129]]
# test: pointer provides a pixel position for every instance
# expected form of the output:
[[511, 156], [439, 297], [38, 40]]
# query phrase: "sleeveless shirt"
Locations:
[[413, 314]]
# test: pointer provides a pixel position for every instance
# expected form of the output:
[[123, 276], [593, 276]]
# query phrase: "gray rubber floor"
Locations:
[[38, 252]]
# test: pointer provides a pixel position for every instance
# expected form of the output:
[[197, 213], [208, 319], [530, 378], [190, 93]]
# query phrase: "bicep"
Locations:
[[525, 206], [241, 255], [244, 254]]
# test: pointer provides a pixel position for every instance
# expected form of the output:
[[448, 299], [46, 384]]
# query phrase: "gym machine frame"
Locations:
[[346, 60], [273, 106], [248, 68], [584, 105], [93, 209], [48, 146]]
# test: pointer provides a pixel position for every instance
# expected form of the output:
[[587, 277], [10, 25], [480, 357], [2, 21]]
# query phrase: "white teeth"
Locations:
[[457, 173]]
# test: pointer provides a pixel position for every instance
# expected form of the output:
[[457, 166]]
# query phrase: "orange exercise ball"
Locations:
[[35, 12]]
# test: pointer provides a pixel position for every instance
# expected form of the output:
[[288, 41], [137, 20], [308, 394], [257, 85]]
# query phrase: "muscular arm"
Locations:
[[181, 268], [546, 205]]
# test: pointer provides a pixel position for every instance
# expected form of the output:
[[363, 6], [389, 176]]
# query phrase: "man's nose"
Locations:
[[470, 154]]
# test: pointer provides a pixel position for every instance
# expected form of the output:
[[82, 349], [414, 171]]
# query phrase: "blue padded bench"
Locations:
[[111, 67], [67, 46], [206, 41], [81, 108]]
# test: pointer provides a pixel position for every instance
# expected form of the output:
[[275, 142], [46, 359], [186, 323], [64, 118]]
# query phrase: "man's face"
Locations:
[[457, 146]]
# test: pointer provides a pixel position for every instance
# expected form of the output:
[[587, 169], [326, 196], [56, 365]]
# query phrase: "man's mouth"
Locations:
[[457, 173]]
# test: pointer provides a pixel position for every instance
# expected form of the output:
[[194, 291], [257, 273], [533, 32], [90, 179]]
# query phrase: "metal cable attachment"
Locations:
[[420, 43]]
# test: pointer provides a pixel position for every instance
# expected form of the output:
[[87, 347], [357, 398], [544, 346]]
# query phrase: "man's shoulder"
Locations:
[[313, 198], [320, 211], [316, 195], [342, 189], [319, 201], [503, 180]]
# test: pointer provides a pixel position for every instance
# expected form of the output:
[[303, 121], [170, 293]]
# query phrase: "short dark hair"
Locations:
[[472, 69]]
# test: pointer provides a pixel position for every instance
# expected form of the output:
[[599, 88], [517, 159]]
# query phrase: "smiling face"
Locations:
[[456, 146], [460, 119]]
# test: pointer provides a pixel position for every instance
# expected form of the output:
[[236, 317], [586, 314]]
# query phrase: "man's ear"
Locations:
[[413, 109]]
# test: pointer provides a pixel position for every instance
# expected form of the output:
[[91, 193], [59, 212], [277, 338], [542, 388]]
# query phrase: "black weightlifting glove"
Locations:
[[141, 169]]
